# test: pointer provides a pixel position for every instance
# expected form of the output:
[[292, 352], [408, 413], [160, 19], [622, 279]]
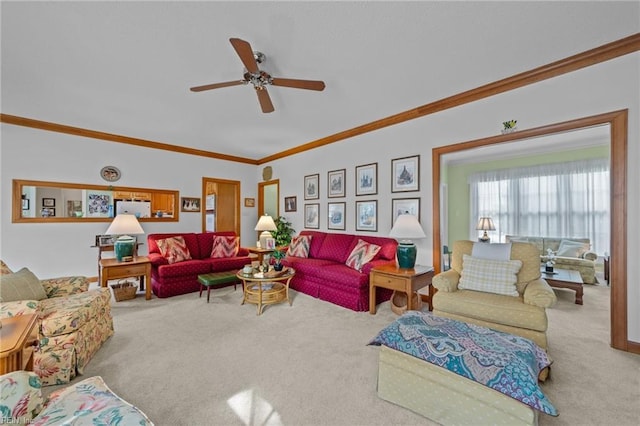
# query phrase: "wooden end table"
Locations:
[[140, 266], [264, 290], [565, 278], [391, 277], [260, 252], [18, 338]]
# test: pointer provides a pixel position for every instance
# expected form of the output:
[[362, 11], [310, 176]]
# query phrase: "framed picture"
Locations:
[[403, 206], [367, 179], [99, 204], [312, 216], [336, 216], [270, 243], [290, 204], [405, 174], [336, 183], [249, 202], [104, 240], [312, 187], [48, 202], [48, 212], [367, 215], [189, 204], [25, 204]]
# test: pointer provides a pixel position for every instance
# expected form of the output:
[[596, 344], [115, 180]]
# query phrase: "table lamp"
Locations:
[[405, 229], [485, 224], [123, 225], [266, 225]]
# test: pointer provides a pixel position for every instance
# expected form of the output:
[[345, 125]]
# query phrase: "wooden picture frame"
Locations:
[[48, 212], [336, 183], [367, 215], [48, 202], [312, 216], [249, 202], [312, 187], [405, 174], [291, 204], [336, 213], [367, 179], [404, 205], [190, 204]]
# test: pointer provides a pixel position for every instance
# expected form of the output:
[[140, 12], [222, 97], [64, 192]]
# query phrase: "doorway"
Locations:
[[221, 210], [618, 174]]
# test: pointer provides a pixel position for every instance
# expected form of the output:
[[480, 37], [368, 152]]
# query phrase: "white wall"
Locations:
[[602, 88], [52, 250]]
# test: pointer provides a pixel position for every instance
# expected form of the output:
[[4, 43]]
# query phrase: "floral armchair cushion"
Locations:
[[89, 401]]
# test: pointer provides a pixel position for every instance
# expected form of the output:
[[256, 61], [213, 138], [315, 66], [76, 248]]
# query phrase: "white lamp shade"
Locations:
[[266, 223], [407, 227], [125, 224], [485, 224]]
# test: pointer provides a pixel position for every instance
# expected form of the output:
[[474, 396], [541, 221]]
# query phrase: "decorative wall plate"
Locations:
[[110, 173]]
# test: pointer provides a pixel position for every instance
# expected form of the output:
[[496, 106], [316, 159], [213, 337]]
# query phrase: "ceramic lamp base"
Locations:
[[124, 247], [406, 253]]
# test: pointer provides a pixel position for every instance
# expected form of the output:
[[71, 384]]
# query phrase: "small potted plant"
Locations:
[[278, 255], [509, 126]]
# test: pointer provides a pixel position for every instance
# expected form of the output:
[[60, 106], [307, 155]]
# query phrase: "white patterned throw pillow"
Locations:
[[490, 276], [362, 253]]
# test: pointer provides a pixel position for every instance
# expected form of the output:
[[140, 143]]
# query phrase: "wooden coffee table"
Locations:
[[264, 290], [565, 278]]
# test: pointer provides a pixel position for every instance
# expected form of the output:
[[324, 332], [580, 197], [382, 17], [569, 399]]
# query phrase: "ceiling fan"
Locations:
[[260, 79]]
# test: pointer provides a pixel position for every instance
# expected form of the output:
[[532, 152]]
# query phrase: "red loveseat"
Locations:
[[182, 277], [325, 275]]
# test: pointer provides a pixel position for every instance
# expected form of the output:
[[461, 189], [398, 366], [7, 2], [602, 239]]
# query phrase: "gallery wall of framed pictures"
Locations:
[[405, 178]]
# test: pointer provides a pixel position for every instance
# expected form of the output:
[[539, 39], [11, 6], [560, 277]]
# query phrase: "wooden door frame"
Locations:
[[261, 186], [236, 183], [618, 122]]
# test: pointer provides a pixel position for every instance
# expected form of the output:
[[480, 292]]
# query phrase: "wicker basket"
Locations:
[[124, 290], [399, 302]]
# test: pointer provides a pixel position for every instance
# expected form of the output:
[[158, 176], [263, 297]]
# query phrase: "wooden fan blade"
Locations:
[[265, 100], [216, 85], [299, 84], [244, 50]]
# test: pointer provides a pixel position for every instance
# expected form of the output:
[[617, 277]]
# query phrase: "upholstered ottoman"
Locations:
[[216, 279], [425, 363]]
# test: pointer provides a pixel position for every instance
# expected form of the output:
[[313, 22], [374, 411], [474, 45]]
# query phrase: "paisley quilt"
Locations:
[[504, 362]]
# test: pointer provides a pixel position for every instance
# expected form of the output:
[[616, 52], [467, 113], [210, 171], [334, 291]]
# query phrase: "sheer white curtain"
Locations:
[[551, 200]]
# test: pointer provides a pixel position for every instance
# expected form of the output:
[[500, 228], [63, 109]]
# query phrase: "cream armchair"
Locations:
[[72, 324], [523, 315]]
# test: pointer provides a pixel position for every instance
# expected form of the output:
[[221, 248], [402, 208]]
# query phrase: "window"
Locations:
[[551, 200]]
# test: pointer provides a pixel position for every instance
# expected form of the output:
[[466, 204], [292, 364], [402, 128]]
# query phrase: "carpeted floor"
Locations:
[[183, 361]]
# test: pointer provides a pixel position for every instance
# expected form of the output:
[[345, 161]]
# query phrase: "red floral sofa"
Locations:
[[324, 274], [182, 277]]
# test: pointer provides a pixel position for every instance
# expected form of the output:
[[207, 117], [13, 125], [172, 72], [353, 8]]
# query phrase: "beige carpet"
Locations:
[[183, 361]]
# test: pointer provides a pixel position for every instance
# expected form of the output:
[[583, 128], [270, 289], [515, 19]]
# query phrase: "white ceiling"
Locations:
[[126, 67]]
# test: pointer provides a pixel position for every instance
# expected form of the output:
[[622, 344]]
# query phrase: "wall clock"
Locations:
[[110, 173]]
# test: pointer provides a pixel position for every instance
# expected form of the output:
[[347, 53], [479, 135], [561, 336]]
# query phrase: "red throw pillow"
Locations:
[[225, 246], [299, 246], [174, 249], [362, 253]]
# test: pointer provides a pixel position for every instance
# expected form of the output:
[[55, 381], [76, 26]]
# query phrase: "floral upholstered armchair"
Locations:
[[72, 322], [89, 401]]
